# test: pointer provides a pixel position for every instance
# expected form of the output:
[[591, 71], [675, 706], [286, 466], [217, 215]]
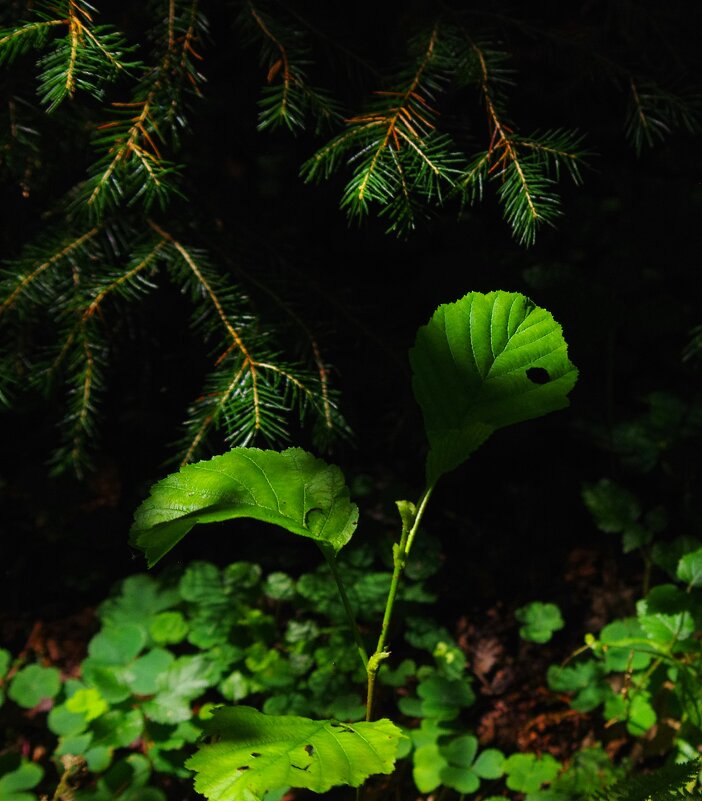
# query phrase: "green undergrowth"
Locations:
[[643, 672], [170, 648]]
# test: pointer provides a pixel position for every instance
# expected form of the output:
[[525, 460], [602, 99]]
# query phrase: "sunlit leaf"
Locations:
[[254, 752], [291, 489], [482, 363]]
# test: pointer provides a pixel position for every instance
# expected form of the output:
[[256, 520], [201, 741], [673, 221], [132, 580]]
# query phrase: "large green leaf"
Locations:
[[254, 752], [483, 363], [291, 489]]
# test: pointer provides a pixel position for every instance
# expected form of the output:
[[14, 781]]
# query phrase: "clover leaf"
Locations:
[[540, 621], [33, 684]]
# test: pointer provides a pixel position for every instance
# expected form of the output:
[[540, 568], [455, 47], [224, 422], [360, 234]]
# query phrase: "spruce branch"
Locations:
[[84, 379], [400, 160], [655, 112], [249, 391], [330, 421], [527, 168], [86, 58], [288, 99], [15, 42], [20, 279], [131, 166]]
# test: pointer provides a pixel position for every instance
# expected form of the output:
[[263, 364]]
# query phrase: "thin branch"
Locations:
[[142, 265], [392, 121], [28, 279], [30, 28], [283, 61]]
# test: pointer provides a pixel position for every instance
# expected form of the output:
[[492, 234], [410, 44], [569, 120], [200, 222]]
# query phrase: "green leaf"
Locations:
[[461, 751], [86, 702], [235, 687], [98, 758], [33, 684], [118, 728], [241, 576], [667, 555], [397, 677], [586, 679], [291, 489], [5, 660], [641, 715], [463, 771], [201, 584], [614, 508], [143, 674], [75, 744], [443, 698], [256, 752], [108, 680], [540, 621], [620, 654], [428, 766], [64, 722], [665, 614], [186, 678], [527, 772], [26, 776], [690, 568], [141, 598], [168, 628], [460, 779], [279, 586], [490, 764], [482, 363], [116, 645]]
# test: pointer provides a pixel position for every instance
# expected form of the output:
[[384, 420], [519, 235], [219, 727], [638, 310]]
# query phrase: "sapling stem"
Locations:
[[331, 561], [399, 558]]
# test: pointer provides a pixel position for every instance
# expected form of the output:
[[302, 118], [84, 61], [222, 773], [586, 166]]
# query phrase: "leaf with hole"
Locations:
[[482, 363], [254, 752], [291, 489]]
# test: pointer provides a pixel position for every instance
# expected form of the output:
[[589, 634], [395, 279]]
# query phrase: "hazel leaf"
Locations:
[[254, 753], [291, 489], [482, 363]]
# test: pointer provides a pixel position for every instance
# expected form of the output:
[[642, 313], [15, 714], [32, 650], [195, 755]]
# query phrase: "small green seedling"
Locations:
[[480, 364], [539, 621]]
